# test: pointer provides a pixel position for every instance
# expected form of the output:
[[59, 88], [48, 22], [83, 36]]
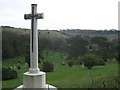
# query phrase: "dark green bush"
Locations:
[[91, 60], [8, 73], [77, 62], [70, 63], [100, 62], [47, 66]]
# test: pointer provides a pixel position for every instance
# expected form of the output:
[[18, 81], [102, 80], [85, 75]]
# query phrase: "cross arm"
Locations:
[[27, 16], [37, 16]]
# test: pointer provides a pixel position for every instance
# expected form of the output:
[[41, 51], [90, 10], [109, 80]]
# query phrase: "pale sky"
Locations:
[[62, 14]]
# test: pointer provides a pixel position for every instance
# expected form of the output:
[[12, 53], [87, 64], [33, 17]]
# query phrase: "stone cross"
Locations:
[[34, 78], [33, 38]]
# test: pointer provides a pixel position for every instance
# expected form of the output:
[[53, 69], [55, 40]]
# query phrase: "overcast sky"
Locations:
[[62, 14]]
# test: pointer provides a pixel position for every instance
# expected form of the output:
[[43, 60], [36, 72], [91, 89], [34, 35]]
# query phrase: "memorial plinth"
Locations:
[[35, 81], [34, 78]]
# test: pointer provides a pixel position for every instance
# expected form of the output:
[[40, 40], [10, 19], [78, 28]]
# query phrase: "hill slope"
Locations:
[[41, 33]]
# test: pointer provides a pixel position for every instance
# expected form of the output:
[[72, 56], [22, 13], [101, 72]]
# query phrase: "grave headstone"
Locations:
[[14, 67]]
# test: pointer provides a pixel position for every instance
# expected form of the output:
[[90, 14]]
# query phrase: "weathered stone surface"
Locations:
[[37, 80]]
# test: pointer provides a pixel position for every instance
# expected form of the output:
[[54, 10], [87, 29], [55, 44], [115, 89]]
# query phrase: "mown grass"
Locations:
[[79, 77], [66, 77], [75, 77]]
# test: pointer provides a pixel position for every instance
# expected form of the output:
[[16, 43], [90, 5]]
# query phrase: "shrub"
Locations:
[[100, 62], [77, 62], [47, 66], [8, 73], [70, 63], [91, 60]]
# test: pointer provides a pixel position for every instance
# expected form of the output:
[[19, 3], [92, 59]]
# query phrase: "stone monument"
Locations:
[[34, 78]]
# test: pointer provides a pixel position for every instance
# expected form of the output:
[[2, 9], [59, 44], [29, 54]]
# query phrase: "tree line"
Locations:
[[14, 45], [91, 51]]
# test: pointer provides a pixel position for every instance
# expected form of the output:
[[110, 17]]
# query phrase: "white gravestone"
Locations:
[[34, 78]]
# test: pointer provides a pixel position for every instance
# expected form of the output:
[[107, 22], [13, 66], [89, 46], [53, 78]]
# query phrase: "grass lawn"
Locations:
[[66, 77], [80, 77], [75, 77]]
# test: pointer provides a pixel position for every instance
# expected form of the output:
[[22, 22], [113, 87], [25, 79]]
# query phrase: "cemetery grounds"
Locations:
[[63, 76]]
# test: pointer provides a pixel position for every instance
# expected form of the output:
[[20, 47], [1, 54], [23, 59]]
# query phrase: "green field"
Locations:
[[66, 77]]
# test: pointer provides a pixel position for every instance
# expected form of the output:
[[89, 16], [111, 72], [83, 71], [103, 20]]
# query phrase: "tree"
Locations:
[[13, 44], [47, 66], [7, 44], [27, 55], [118, 55], [90, 60], [102, 47], [114, 48], [15, 48], [77, 46]]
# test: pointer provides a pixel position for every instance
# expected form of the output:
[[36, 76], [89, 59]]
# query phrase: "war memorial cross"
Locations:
[[34, 38], [34, 78]]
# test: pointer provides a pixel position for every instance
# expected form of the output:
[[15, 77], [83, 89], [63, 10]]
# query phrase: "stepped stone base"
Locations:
[[35, 81]]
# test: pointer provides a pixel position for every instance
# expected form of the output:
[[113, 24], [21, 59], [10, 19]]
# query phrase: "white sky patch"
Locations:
[[62, 14]]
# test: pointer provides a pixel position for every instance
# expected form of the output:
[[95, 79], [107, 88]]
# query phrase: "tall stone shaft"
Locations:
[[34, 42]]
